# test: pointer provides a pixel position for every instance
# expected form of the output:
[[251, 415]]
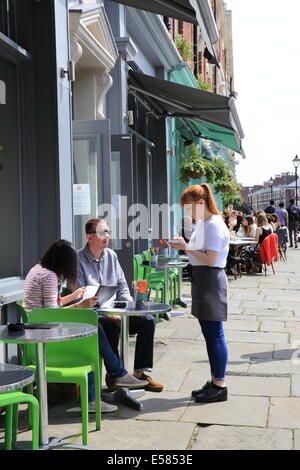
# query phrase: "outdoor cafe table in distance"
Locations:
[[47, 333], [172, 264], [239, 242], [125, 313]]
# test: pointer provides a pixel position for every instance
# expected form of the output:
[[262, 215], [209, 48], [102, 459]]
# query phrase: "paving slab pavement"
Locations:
[[263, 409]]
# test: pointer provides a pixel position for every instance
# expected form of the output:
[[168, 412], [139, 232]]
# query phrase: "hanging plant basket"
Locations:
[[225, 189], [194, 174]]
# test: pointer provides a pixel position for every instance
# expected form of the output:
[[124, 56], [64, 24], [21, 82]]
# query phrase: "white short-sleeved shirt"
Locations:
[[211, 234]]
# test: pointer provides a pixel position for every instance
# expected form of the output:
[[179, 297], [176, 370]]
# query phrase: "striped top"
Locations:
[[40, 289]]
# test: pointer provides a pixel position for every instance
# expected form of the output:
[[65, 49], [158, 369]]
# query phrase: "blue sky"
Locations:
[[266, 42]]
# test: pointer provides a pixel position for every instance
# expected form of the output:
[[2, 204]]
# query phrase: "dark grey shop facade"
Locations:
[[35, 138]]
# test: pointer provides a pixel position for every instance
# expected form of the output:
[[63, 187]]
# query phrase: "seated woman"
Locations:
[[238, 224], [248, 228], [251, 253], [42, 290]]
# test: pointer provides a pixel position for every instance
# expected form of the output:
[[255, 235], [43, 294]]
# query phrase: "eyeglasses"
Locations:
[[101, 232]]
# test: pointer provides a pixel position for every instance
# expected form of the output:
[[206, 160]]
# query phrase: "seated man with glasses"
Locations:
[[99, 265]]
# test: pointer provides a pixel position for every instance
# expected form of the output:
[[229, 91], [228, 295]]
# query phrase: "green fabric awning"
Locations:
[[216, 133]]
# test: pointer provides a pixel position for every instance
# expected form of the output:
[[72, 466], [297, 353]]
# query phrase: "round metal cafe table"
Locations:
[[47, 333], [13, 377], [125, 313]]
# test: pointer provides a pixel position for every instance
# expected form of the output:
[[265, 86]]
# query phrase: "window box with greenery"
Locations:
[[202, 84], [184, 47]]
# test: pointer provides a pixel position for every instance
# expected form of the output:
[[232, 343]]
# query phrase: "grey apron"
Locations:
[[209, 293]]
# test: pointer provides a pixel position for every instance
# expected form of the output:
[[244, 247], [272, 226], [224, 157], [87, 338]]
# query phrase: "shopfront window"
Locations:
[[10, 233]]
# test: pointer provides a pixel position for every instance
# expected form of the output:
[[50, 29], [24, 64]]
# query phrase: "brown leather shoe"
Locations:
[[152, 386]]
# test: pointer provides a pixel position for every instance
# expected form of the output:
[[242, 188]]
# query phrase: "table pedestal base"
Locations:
[[56, 443]]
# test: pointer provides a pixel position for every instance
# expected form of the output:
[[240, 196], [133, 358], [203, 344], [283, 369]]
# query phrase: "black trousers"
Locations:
[[293, 232], [144, 328]]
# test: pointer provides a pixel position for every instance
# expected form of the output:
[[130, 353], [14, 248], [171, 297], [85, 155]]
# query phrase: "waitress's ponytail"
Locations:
[[209, 199]]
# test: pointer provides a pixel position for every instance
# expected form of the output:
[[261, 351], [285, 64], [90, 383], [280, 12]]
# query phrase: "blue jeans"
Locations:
[[216, 346], [112, 363]]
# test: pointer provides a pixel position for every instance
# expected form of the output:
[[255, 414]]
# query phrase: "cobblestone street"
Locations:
[[263, 410]]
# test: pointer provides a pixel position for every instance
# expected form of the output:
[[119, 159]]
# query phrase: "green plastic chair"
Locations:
[[158, 286], [11, 402], [71, 361], [155, 284], [159, 275]]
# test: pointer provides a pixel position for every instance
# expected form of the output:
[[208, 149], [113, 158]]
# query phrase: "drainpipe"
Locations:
[[195, 41]]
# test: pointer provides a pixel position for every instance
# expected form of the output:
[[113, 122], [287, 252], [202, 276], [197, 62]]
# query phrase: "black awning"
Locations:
[[215, 115], [180, 9]]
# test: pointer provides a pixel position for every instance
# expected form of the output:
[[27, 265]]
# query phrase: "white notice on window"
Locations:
[[82, 199]]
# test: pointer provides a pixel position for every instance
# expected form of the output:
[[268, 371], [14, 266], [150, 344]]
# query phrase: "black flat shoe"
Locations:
[[201, 390], [212, 395]]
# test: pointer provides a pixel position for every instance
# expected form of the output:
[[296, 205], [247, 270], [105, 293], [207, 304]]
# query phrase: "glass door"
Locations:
[[91, 173]]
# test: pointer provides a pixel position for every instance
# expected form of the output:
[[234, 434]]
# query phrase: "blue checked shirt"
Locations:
[[105, 271]]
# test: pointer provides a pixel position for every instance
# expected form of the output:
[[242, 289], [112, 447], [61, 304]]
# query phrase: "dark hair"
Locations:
[[227, 220], [249, 219], [272, 202], [281, 204], [61, 258], [292, 201], [247, 228], [91, 225], [239, 220]]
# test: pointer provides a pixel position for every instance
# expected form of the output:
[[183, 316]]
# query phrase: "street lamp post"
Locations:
[[296, 162], [250, 196], [271, 182]]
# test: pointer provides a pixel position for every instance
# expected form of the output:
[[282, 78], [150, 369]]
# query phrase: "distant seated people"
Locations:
[[248, 228], [251, 253], [264, 228], [238, 224], [271, 208], [42, 290], [283, 215], [99, 265]]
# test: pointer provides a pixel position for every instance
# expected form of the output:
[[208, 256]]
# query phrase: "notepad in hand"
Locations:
[[91, 291]]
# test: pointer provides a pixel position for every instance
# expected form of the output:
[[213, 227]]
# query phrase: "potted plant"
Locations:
[[221, 169], [231, 190]]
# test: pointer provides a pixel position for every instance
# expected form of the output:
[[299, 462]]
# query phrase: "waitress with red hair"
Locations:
[[207, 251]]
